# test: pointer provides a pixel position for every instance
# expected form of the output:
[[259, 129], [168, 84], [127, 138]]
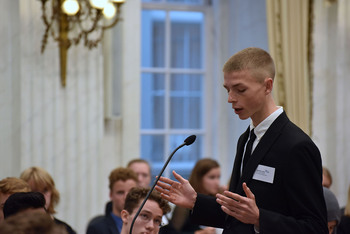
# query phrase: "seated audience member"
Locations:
[[121, 180], [150, 218], [35, 223], [205, 179], [8, 186], [24, 202], [41, 181], [344, 225], [143, 171], [333, 210], [326, 178]]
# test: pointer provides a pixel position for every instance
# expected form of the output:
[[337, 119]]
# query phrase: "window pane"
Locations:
[[153, 38], [186, 101], [186, 157], [186, 39], [152, 148], [152, 103]]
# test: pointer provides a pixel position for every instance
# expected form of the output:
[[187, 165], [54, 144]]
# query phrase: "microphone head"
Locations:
[[189, 140]]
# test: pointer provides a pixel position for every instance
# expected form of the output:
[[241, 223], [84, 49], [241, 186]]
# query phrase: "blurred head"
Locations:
[[41, 181], [205, 176], [150, 217], [333, 210], [35, 223], [326, 178], [143, 171], [24, 202], [121, 180], [8, 186]]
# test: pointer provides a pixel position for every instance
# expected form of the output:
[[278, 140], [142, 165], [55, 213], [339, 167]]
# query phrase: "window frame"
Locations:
[[207, 129]]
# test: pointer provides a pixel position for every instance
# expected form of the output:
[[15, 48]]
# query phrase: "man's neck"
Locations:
[[124, 231]]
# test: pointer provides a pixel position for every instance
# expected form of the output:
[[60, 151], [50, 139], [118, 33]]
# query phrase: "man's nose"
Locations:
[[150, 224], [231, 98]]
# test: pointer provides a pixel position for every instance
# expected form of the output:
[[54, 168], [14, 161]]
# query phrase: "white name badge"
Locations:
[[264, 173]]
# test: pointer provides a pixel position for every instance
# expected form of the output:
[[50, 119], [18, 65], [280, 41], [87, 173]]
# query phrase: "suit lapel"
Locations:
[[266, 142], [236, 172]]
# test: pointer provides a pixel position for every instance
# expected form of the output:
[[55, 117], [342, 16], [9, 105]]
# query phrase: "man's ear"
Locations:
[[268, 85], [125, 216]]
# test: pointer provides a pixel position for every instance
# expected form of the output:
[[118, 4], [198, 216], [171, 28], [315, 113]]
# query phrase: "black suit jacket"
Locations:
[[293, 203]]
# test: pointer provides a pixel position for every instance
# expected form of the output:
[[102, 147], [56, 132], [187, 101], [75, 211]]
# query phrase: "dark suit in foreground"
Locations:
[[292, 203], [103, 224]]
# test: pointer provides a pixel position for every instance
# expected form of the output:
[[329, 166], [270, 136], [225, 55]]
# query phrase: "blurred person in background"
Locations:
[[121, 181], [35, 223], [24, 202], [344, 225], [143, 171], [9, 186], [41, 181], [326, 178], [333, 210]]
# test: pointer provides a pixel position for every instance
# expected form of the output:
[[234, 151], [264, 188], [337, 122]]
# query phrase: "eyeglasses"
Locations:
[[146, 217]]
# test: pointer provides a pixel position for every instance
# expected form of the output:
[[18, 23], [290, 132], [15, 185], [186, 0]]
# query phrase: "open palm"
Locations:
[[180, 193]]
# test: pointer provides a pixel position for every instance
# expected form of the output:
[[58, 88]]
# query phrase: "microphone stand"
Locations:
[[189, 140]]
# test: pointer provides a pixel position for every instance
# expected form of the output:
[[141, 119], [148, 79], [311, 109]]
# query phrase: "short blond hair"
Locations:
[[11, 185], [42, 180], [256, 60]]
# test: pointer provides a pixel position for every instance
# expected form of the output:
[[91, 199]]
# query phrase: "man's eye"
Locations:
[[241, 90], [158, 222], [144, 216]]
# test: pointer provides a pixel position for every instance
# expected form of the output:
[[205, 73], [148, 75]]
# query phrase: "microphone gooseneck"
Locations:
[[188, 141]]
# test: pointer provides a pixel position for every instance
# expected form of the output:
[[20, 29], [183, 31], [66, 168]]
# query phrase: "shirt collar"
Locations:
[[266, 123]]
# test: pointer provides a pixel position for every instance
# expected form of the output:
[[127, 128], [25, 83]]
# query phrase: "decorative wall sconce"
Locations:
[[69, 21]]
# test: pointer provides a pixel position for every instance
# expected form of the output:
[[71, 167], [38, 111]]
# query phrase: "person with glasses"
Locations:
[[150, 218]]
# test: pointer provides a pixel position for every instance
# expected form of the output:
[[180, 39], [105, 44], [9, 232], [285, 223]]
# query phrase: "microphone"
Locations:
[[188, 141]]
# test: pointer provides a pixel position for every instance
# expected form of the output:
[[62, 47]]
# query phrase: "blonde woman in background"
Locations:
[[41, 181]]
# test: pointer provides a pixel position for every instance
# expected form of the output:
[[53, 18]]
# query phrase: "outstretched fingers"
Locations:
[[165, 180], [179, 178], [248, 192]]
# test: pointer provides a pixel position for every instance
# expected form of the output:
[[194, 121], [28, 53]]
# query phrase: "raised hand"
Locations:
[[180, 193], [242, 208]]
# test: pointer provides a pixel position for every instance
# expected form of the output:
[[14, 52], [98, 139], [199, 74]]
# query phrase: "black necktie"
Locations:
[[249, 146]]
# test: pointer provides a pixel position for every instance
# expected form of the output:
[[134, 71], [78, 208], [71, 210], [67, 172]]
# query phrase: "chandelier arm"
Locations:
[[94, 24], [47, 23], [43, 15], [116, 19]]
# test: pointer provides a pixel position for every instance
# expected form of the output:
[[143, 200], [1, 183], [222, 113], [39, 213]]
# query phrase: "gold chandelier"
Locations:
[[72, 21]]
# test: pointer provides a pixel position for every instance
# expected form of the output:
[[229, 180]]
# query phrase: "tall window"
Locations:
[[173, 81]]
